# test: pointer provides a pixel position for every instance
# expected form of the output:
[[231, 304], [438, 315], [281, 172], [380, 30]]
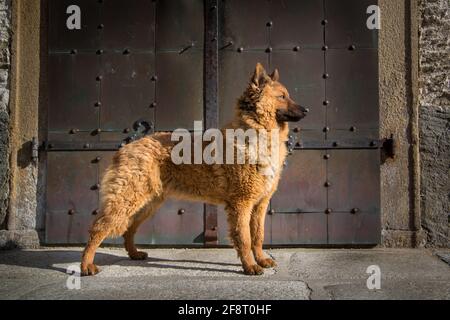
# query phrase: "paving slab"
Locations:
[[217, 274]]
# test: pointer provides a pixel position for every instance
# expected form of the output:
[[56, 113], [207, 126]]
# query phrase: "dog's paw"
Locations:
[[267, 263], [253, 270], [138, 255], [89, 270]]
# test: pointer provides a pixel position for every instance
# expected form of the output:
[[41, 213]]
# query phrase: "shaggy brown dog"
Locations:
[[142, 175]]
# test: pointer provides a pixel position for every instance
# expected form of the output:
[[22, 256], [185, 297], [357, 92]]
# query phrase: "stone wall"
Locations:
[[5, 45], [434, 52]]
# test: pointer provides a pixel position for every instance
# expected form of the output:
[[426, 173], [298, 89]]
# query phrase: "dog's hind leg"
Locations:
[[117, 210], [257, 231], [148, 211], [238, 215]]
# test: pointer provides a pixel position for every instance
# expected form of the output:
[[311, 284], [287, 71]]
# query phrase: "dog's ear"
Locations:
[[275, 76], [260, 77]]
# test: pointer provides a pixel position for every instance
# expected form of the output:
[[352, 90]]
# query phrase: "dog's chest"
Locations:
[[270, 172]]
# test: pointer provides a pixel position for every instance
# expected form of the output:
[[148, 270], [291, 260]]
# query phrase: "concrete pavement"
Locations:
[[217, 274]]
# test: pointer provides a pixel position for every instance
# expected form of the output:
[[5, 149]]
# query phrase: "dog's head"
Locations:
[[268, 98]]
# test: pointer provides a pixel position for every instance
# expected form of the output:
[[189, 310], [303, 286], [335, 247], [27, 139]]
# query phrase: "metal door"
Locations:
[[328, 59], [140, 66]]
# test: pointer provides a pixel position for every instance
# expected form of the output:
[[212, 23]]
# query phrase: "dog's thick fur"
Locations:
[[142, 175]]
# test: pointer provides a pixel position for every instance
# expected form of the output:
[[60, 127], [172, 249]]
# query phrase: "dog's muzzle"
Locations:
[[293, 113]]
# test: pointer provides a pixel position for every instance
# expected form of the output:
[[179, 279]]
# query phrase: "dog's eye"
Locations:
[[282, 97]]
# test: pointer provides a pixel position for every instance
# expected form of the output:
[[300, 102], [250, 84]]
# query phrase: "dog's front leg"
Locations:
[[239, 226], [257, 231]]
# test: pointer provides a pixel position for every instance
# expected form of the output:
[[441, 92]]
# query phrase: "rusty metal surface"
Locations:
[[148, 60], [127, 91], [128, 25], [70, 182], [179, 90], [244, 23], [357, 229], [301, 188], [347, 24], [74, 92], [296, 23], [355, 180], [352, 89], [63, 39], [299, 229], [179, 24]]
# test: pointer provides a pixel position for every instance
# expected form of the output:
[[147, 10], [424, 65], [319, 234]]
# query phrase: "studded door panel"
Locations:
[[141, 66]]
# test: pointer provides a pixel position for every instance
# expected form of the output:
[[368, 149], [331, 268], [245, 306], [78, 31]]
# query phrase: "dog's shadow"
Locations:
[[53, 259]]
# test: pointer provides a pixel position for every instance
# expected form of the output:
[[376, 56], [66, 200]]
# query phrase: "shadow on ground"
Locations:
[[53, 259]]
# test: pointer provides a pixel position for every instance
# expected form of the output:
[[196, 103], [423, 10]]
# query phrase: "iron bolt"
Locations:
[[352, 47], [73, 131], [73, 51], [335, 144], [97, 104], [326, 129], [50, 146], [269, 49], [241, 49], [355, 210], [373, 143], [154, 78], [326, 75], [298, 145], [97, 159], [327, 156], [101, 26], [272, 212], [325, 48], [71, 212], [95, 212], [328, 211], [100, 51], [324, 22], [181, 211], [87, 146], [296, 48], [95, 186], [97, 131], [153, 105], [327, 184], [326, 102], [126, 130], [99, 78], [353, 129], [269, 24], [213, 8], [126, 51]]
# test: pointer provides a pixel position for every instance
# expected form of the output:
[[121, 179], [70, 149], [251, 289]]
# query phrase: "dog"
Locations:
[[142, 175]]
